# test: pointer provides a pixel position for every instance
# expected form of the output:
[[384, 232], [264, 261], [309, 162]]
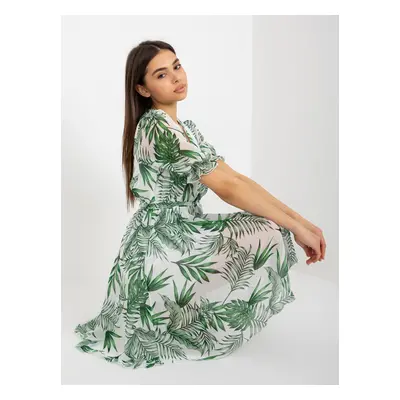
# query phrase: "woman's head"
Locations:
[[152, 74], [163, 75]]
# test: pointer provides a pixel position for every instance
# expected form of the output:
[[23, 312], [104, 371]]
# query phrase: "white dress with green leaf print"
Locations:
[[186, 286]]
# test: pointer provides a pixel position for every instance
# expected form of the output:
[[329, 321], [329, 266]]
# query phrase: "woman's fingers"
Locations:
[[323, 242], [317, 252], [312, 254], [318, 255], [315, 257], [317, 249], [324, 247], [321, 257], [309, 251]]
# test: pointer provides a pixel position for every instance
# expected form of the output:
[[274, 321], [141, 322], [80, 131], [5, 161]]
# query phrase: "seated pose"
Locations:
[[185, 285]]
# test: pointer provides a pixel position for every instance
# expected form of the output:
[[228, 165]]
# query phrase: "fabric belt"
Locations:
[[164, 204]]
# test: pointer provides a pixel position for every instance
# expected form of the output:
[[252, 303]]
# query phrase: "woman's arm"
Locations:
[[278, 204], [241, 194], [296, 216], [248, 197], [268, 196], [244, 196]]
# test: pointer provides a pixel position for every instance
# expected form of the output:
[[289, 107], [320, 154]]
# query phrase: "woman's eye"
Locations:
[[159, 76]]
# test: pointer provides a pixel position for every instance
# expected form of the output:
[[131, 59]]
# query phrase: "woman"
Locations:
[[187, 285]]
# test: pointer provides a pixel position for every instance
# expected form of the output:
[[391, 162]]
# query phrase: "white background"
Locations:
[[295, 122]]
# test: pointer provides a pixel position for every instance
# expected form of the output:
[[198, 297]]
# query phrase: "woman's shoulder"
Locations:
[[152, 114]]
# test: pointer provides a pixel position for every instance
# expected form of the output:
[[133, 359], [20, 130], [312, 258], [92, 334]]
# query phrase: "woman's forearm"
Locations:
[[245, 196], [270, 198]]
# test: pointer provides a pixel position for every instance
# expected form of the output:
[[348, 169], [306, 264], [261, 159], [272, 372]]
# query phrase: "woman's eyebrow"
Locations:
[[163, 68]]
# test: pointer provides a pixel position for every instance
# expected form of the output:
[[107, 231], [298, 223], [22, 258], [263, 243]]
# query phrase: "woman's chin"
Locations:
[[181, 96]]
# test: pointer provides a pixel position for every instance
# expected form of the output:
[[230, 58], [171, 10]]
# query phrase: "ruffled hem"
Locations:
[[203, 167]]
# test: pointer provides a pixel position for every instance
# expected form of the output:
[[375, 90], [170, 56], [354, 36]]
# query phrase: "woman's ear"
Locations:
[[142, 90]]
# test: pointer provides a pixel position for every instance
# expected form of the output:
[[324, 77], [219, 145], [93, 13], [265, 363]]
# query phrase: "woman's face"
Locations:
[[164, 75]]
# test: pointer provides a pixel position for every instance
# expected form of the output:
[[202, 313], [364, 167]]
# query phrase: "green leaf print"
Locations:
[[138, 192], [111, 359], [230, 343], [173, 232], [109, 340], [212, 312], [193, 319], [189, 324], [205, 341], [87, 328], [239, 270], [153, 361], [133, 265], [169, 154], [149, 128], [156, 319], [137, 291], [229, 246], [115, 275], [135, 245], [260, 319], [193, 331], [184, 297], [259, 295], [289, 248], [283, 268], [155, 247], [194, 264], [212, 225], [175, 313], [87, 349], [147, 318], [137, 297], [160, 344], [109, 315], [241, 224], [241, 315], [82, 345], [261, 258], [157, 283], [281, 293], [147, 172], [170, 186]]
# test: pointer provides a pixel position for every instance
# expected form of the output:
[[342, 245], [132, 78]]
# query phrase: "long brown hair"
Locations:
[[135, 104]]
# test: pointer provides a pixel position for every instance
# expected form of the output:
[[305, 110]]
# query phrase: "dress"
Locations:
[[186, 286]]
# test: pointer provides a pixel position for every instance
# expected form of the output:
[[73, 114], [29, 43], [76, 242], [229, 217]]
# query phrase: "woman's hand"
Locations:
[[317, 231], [309, 242]]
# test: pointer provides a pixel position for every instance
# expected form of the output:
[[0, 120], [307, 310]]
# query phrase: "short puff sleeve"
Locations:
[[173, 152], [209, 155]]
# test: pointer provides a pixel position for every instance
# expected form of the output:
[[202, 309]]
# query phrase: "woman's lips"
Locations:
[[182, 89]]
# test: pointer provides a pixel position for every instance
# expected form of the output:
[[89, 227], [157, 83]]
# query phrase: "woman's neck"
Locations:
[[171, 110]]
